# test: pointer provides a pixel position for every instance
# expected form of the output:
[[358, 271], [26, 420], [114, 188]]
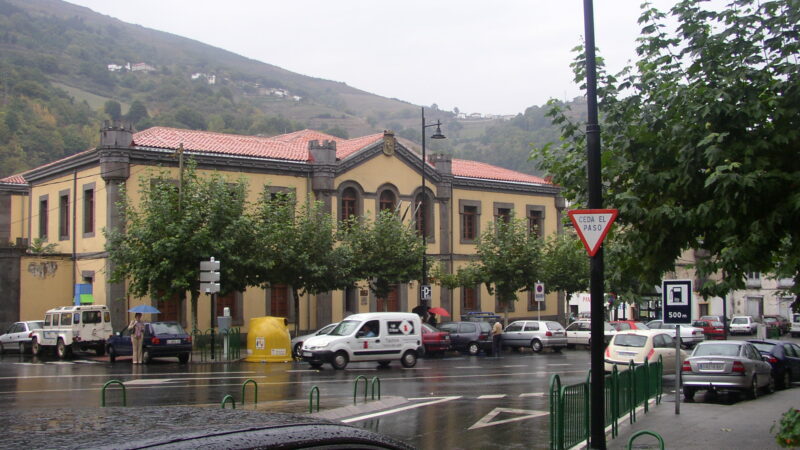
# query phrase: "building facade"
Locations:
[[70, 202]]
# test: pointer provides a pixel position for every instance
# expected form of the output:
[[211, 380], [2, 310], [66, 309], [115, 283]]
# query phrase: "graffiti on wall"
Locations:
[[43, 269]]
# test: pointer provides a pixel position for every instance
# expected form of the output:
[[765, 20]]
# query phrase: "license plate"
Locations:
[[711, 366], [173, 341], [307, 354]]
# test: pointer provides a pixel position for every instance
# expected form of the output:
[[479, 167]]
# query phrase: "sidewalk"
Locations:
[[704, 424]]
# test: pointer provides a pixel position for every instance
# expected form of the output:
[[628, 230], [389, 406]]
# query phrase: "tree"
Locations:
[[565, 265], [171, 230], [509, 260], [137, 112], [699, 141], [113, 109], [298, 248], [385, 252]]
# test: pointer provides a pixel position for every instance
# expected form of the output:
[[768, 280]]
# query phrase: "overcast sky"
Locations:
[[488, 56]]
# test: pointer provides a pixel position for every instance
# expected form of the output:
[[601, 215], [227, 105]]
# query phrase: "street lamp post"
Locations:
[[423, 213]]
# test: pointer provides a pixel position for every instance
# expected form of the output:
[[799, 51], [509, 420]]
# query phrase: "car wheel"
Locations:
[[112, 354], [62, 350], [315, 365], [146, 357], [536, 346], [473, 348], [752, 393], [409, 359], [298, 350], [36, 349], [183, 358], [786, 382], [384, 363], [340, 360], [100, 350], [688, 393]]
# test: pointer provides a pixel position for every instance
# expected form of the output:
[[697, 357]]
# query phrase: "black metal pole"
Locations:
[[597, 400], [213, 301], [423, 213]]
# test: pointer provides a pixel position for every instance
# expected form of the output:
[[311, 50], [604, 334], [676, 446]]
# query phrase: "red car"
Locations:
[[435, 341], [622, 325], [713, 329]]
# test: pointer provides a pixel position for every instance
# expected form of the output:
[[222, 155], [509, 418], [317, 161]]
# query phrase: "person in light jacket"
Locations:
[[137, 336], [497, 336]]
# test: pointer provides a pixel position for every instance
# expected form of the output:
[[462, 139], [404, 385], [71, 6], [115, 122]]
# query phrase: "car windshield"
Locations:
[[717, 324], [641, 326], [345, 328], [607, 326], [699, 323], [326, 329], [36, 325], [770, 319], [716, 350], [554, 326], [738, 320], [429, 328], [166, 328], [763, 346], [629, 340]]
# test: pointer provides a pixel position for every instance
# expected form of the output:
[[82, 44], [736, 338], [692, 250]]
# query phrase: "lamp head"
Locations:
[[438, 134]]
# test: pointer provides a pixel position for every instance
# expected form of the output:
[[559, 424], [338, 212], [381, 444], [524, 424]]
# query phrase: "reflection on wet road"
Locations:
[[452, 402]]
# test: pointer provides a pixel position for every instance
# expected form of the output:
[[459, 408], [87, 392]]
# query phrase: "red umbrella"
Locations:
[[439, 311]]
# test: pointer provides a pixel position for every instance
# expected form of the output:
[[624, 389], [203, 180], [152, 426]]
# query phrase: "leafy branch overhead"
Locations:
[[699, 141]]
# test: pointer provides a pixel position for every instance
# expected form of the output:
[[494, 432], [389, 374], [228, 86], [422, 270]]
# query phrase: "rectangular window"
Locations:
[[63, 216], [279, 301], [43, 217], [469, 299], [504, 214], [469, 222], [88, 211], [536, 223]]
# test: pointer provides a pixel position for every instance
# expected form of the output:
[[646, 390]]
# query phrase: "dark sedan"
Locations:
[[470, 337], [161, 339], [784, 357]]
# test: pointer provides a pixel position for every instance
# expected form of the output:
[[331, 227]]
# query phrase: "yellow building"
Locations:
[[69, 202]]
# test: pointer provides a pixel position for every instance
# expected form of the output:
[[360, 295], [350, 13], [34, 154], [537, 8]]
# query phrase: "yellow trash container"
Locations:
[[268, 340]]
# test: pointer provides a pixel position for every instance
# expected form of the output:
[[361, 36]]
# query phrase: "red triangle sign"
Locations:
[[592, 226]]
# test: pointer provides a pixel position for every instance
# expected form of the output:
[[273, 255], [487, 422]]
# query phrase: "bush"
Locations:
[[788, 429]]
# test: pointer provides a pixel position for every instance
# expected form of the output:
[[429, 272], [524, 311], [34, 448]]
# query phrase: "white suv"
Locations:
[[795, 330], [70, 328], [743, 325]]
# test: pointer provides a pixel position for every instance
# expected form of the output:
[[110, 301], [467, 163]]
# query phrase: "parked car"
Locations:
[[743, 325], [297, 342], [624, 325], [536, 334], [795, 330], [717, 318], [435, 341], [18, 336], [579, 333], [712, 329], [470, 337], [161, 339], [637, 345], [690, 335], [68, 329], [784, 358], [726, 365], [776, 320]]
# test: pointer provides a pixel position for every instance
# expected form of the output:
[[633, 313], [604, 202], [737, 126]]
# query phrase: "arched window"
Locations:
[[349, 202], [387, 200], [423, 215]]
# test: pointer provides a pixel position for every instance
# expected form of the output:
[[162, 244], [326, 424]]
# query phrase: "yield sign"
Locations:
[[592, 226]]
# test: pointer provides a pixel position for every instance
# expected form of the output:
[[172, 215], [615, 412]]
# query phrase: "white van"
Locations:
[[70, 328], [795, 330], [380, 337]]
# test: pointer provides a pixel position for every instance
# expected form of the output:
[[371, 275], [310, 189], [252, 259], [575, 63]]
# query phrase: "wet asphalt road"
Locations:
[[452, 402]]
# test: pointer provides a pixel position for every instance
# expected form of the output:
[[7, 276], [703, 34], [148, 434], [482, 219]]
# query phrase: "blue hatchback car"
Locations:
[[161, 339]]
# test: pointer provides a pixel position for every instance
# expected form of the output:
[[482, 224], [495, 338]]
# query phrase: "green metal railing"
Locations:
[[103, 392], [311, 399], [355, 387], [255, 390], [226, 399], [623, 393], [201, 343]]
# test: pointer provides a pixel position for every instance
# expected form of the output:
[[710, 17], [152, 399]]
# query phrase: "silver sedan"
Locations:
[[18, 336], [726, 365], [297, 342]]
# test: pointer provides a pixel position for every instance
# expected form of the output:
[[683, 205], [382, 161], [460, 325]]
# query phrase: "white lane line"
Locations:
[[402, 408], [487, 420], [360, 370], [147, 382], [467, 367], [302, 371], [533, 394], [548, 365], [487, 396], [105, 375], [518, 365]]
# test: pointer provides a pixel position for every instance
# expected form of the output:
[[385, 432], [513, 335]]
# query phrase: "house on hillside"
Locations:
[[70, 201], [141, 67]]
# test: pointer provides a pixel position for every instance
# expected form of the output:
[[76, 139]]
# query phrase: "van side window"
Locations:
[[48, 320], [369, 329], [106, 316], [66, 319], [91, 316], [76, 318]]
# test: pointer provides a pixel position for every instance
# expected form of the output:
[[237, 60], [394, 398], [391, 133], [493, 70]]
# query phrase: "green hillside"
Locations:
[[57, 88]]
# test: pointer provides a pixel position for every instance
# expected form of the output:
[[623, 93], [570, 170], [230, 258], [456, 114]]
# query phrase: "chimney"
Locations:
[[443, 163], [116, 135], [322, 153]]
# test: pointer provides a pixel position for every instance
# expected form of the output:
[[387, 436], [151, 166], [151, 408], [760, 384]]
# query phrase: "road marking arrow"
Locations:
[[486, 421]]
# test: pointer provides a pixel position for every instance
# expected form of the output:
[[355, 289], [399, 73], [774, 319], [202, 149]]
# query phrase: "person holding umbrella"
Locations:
[[137, 336]]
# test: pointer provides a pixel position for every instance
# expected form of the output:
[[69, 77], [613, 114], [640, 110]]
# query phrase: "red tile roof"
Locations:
[[474, 169], [14, 179], [291, 146]]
